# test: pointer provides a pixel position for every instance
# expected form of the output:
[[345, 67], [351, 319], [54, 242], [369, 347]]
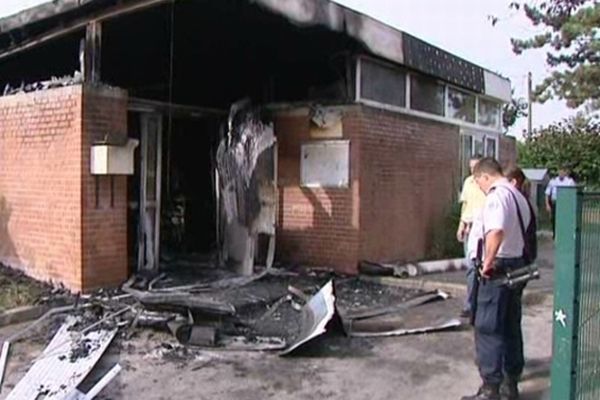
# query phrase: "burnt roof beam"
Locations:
[[92, 52], [80, 24]]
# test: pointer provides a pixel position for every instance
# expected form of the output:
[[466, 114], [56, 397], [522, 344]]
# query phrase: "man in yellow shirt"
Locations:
[[472, 199]]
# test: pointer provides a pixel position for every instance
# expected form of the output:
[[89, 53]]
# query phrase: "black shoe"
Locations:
[[509, 389], [485, 392]]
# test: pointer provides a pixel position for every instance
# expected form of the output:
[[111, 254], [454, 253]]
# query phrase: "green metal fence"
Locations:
[[576, 347]]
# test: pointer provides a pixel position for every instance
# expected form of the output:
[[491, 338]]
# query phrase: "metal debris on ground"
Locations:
[[237, 313], [182, 298], [3, 360], [258, 343], [316, 314], [444, 325], [372, 312], [98, 387], [410, 270], [387, 269], [298, 293], [64, 364], [419, 314]]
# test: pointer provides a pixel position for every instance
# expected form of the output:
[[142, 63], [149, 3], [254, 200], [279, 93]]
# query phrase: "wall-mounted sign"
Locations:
[[325, 164]]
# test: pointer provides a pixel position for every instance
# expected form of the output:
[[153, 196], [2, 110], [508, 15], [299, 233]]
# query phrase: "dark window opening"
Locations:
[[382, 83], [426, 95]]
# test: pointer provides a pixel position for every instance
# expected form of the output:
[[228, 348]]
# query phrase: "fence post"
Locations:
[[566, 293]]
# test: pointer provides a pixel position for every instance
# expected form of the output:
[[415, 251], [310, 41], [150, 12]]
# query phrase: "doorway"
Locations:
[[172, 196]]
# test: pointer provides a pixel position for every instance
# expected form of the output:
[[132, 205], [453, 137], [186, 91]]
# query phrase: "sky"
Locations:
[[459, 26]]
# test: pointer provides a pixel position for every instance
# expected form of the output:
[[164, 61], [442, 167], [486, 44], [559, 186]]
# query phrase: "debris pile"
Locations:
[[272, 310], [54, 82]]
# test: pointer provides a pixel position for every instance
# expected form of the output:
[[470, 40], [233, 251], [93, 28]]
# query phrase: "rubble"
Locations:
[[316, 314], [3, 360], [247, 313], [54, 82], [64, 364], [409, 270]]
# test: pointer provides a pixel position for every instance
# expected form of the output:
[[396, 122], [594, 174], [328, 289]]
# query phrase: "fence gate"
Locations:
[[576, 343]]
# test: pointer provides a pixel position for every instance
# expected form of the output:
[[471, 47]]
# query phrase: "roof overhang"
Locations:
[[377, 38]]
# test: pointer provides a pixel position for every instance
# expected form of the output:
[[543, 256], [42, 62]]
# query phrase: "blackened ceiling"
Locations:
[[221, 51]]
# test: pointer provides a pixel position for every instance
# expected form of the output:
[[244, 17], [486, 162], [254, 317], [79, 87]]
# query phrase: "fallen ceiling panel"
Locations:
[[64, 364], [316, 314]]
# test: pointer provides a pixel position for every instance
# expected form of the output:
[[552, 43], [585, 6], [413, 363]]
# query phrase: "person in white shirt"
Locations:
[[563, 179], [497, 322]]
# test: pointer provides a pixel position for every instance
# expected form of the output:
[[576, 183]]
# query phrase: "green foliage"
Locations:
[[571, 35], [574, 142], [444, 243], [17, 290], [512, 111]]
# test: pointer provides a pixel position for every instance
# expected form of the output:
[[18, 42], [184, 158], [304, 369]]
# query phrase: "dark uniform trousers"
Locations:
[[498, 335]]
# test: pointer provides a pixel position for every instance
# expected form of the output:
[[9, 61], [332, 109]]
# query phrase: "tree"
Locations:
[[575, 142], [512, 111], [571, 33]]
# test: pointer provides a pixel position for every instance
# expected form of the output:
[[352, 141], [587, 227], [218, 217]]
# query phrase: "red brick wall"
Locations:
[[317, 227], [409, 169], [40, 190], [404, 172], [507, 151], [104, 214], [50, 226]]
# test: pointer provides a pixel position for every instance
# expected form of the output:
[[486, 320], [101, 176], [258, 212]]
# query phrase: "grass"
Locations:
[[17, 290]]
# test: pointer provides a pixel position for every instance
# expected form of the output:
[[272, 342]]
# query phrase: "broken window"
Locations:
[[461, 105], [426, 95], [488, 113], [382, 83]]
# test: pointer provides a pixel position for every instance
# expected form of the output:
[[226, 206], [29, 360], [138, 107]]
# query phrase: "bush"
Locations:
[[444, 244]]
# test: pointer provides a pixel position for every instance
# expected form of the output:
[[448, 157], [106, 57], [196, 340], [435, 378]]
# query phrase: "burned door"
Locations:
[[150, 185], [247, 195]]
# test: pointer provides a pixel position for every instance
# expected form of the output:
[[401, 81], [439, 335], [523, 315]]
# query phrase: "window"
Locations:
[[426, 95], [478, 147], [382, 83], [466, 154], [461, 105], [490, 147], [489, 113]]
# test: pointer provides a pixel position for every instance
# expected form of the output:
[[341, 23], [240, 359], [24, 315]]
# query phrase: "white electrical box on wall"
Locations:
[[108, 159]]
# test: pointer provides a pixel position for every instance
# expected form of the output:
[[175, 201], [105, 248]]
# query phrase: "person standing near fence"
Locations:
[[563, 179], [497, 320], [472, 199]]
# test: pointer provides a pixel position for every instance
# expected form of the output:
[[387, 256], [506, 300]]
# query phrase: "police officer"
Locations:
[[498, 336]]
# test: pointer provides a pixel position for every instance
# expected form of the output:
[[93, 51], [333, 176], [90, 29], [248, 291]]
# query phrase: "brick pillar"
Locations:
[[104, 198]]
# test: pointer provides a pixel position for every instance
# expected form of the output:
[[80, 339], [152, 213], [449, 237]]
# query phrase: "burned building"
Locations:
[[118, 141]]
